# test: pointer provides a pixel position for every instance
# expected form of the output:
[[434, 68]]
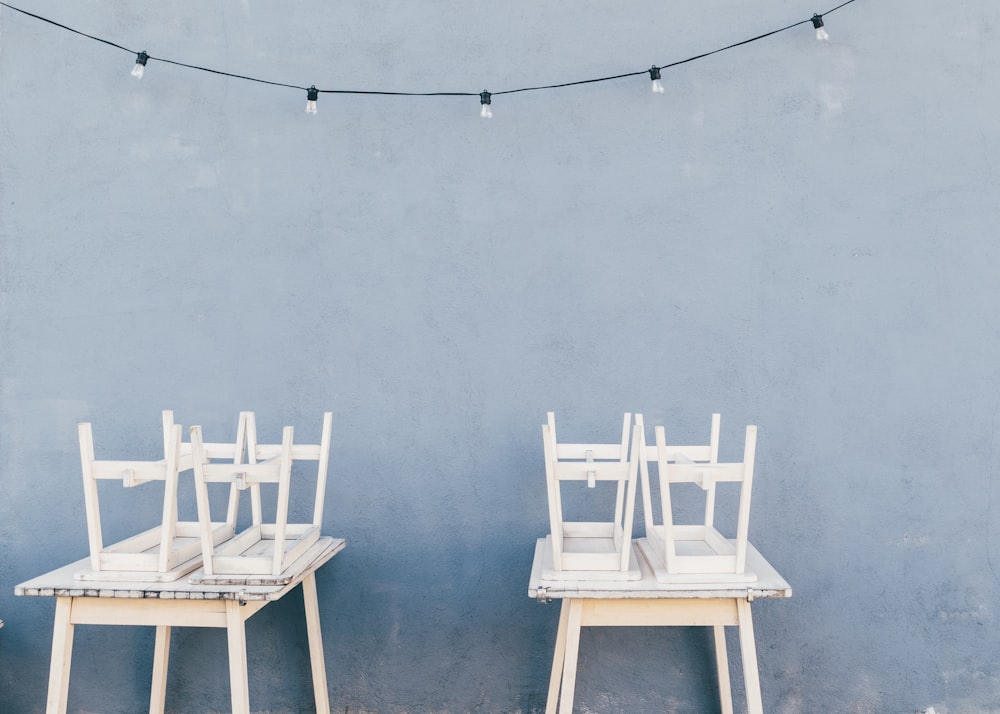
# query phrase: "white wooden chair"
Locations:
[[162, 553], [263, 551], [698, 552], [591, 550]]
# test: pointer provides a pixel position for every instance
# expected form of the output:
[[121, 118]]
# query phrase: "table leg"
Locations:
[[316, 660], [161, 658], [62, 657], [236, 634], [573, 623], [722, 665], [748, 649], [557, 659]]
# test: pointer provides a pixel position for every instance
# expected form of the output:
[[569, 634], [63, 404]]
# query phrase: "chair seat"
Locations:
[[610, 570]]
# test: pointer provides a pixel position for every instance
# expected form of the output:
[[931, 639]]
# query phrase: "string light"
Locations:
[[817, 21], [654, 74], [140, 65], [312, 93], [484, 99]]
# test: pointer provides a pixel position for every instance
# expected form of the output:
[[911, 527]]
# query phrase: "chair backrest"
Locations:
[[698, 549], [265, 463], [138, 553], [590, 463]]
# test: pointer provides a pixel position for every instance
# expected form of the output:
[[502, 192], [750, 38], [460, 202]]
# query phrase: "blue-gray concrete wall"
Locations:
[[798, 235]]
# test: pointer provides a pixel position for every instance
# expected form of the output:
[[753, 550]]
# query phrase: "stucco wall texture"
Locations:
[[799, 235]]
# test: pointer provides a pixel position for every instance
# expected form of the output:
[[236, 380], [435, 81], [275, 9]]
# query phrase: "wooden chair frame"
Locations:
[[162, 553], [687, 553], [262, 551], [591, 549]]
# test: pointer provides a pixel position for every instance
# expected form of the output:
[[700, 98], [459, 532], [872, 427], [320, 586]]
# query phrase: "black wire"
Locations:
[[57, 24], [837, 8], [225, 74], [149, 57], [400, 94], [672, 64], [426, 94], [571, 84]]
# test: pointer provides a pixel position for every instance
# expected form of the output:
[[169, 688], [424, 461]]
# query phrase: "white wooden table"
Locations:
[[178, 604], [646, 602]]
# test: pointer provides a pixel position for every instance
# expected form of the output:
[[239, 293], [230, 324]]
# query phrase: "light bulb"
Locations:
[[140, 65], [484, 99], [312, 94], [817, 21], [654, 74]]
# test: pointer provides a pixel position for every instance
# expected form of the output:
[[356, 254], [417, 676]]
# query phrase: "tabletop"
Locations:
[[769, 583], [63, 582]]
